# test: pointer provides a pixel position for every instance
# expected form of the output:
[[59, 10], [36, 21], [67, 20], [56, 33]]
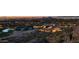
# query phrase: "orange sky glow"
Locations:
[[16, 17]]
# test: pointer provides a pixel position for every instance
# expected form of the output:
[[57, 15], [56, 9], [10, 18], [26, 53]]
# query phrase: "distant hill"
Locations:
[[66, 17]]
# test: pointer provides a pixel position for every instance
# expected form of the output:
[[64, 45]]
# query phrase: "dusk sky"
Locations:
[[61, 17], [18, 16]]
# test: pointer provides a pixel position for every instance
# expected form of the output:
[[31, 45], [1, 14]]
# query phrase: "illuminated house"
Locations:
[[56, 30], [38, 27], [50, 30]]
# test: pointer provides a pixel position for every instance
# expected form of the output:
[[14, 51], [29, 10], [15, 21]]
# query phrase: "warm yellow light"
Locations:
[[53, 30], [56, 30], [44, 26], [41, 30]]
